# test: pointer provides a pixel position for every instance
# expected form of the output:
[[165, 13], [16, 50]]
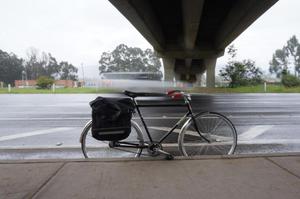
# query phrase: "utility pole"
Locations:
[[83, 81], [24, 78]]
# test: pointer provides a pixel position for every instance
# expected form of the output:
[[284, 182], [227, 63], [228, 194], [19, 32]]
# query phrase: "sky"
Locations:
[[78, 31]]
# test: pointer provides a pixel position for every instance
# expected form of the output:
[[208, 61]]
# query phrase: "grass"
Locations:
[[246, 89]]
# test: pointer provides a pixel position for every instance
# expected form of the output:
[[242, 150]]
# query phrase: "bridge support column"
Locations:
[[210, 65], [199, 79], [169, 68]]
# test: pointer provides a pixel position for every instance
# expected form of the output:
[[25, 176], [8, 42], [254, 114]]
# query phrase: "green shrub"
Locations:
[[241, 73], [290, 80], [44, 82]]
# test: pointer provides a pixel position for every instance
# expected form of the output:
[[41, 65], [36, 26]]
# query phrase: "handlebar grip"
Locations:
[[171, 92], [175, 94]]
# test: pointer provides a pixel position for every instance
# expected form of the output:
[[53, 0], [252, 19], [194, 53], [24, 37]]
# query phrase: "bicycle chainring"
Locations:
[[152, 149]]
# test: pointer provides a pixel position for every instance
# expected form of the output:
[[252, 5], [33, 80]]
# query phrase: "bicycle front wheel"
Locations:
[[208, 133], [93, 148]]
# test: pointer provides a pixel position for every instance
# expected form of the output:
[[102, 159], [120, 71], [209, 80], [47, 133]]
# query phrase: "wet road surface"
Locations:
[[49, 126]]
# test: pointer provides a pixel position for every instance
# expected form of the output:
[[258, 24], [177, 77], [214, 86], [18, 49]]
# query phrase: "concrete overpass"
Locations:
[[191, 34]]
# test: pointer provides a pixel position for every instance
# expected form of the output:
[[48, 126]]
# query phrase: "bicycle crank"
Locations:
[[156, 149]]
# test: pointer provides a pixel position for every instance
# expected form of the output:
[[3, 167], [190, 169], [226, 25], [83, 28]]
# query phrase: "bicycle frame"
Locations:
[[138, 106], [189, 113]]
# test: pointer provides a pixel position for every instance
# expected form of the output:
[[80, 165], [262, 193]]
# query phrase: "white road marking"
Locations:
[[248, 135], [33, 133], [254, 132], [194, 133], [40, 147], [269, 141], [255, 142], [43, 118]]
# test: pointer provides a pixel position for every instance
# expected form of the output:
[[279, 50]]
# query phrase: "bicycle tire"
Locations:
[[215, 127], [93, 148]]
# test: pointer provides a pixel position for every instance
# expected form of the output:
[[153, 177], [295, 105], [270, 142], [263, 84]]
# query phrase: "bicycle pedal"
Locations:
[[112, 144], [169, 157]]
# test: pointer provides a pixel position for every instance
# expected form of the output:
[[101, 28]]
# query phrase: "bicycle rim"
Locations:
[[216, 128], [93, 148]]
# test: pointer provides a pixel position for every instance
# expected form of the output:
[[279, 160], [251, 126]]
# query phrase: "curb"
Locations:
[[177, 158]]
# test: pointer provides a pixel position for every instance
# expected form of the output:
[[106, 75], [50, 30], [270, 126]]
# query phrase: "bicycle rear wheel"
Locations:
[[92, 148], [219, 133]]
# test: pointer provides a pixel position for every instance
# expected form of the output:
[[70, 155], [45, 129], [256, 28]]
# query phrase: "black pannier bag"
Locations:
[[111, 118]]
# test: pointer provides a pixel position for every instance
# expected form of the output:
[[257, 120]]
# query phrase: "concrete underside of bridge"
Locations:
[[190, 35]]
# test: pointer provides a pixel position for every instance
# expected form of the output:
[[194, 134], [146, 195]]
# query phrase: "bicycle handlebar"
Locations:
[[174, 94], [178, 94], [171, 92]]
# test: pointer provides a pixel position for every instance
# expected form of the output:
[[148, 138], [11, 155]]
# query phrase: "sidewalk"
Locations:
[[273, 176]]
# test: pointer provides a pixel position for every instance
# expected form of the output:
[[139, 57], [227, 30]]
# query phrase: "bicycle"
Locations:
[[205, 133]]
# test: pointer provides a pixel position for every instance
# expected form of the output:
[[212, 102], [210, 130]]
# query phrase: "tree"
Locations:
[[52, 68], [279, 62], [293, 48], [286, 58], [68, 71], [129, 59], [240, 73], [37, 64], [232, 51], [11, 67], [34, 66], [44, 82], [45, 64]]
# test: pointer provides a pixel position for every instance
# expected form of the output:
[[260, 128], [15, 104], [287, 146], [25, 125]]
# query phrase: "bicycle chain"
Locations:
[[128, 151], [132, 152]]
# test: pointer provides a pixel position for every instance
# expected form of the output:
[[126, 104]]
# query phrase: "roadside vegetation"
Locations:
[[241, 76], [245, 76], [44, 82], [57, 90], [240, 73], [34, 66], [242, 89], [247, 89]]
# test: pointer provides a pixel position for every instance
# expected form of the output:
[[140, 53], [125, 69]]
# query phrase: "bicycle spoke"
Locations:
[[93, 148], [217, 148], [203, 150], [217, 125], [210, 124], [216, 129]]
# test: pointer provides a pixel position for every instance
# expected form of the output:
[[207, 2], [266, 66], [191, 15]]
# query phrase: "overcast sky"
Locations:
[[78, 31]]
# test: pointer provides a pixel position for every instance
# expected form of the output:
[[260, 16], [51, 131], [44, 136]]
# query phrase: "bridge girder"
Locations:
[[191, 30]]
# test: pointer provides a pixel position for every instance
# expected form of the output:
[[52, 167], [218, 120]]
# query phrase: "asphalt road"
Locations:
[[48, 126]]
